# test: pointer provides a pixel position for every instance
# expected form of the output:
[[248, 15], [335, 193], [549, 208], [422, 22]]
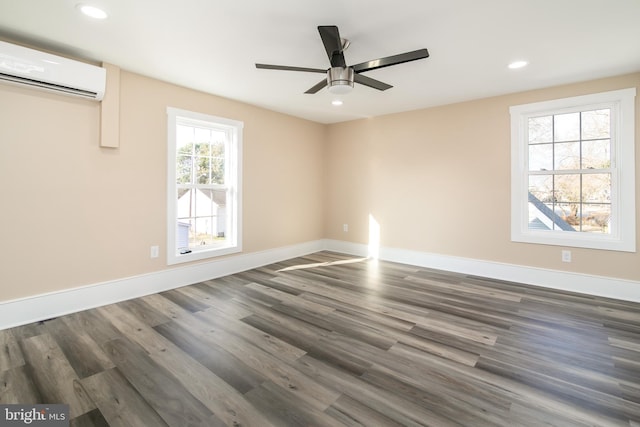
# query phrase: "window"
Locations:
[[204, 199], [572, 171]]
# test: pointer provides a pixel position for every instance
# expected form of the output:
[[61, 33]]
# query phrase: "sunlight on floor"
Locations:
[[323, 264], [373, 251]]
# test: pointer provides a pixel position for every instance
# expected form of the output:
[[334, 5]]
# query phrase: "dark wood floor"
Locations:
[[329, 340]]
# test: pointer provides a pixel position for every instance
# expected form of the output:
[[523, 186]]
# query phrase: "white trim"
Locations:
[[609, 287], [45, 306]]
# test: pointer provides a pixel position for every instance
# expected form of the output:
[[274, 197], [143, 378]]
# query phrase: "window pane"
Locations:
[[219, 196], [184, 136], [596, 124], [219, 203], [203, 203], [217, 170], [567, 155], [569, 213], [541, 187], [204, 231], [202, 215], [218, 136], [567, 188], [540, 202], [185, 203], [217, 162], [596, 188], [540, 129], [596, 154], [540, 217], [184, 234], [203, 149], [540, 157], [184, 169], [202, 135], [203, 165], [211, 215], [217, 149], [596, 218], [566, 127]]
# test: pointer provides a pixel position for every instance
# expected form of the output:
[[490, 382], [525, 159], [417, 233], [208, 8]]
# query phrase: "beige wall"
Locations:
[[75, 214], [438, 180]]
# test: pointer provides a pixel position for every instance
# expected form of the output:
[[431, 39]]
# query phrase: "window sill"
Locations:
[[202, 254]]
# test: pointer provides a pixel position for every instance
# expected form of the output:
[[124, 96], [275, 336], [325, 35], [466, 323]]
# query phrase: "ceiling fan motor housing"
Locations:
[[340, 80]]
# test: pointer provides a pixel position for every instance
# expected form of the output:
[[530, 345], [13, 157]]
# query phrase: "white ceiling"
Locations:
[[212, 45]]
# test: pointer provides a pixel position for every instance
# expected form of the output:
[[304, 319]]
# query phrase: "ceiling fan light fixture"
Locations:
[[338, 88], [340, 80]]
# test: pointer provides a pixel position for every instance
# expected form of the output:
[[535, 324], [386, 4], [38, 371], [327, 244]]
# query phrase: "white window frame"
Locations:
[[233, 171], [623, 211]]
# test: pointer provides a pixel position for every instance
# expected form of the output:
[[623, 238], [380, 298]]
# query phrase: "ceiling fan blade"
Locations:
[[288, 68], [317, 87], [391, 60], [368, 81], [332, 44]]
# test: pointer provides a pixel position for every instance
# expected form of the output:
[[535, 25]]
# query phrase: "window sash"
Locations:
[[555, 171]]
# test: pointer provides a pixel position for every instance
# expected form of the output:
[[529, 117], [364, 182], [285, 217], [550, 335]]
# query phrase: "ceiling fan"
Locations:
[[340, 77]]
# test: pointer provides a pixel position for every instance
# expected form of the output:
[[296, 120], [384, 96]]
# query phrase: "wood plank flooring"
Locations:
[[334, 340]]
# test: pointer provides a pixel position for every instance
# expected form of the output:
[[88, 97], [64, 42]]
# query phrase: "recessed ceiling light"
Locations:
[[336, 102], [92, 11], [517, 64]]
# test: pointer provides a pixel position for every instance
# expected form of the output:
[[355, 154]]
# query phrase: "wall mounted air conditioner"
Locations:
[[28, 67]]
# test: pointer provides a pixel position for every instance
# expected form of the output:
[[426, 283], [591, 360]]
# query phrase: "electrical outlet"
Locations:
[[155, 251], [345, 227], [566, 256]]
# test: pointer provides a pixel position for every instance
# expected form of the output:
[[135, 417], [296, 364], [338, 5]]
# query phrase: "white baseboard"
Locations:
[[627, 290], [46, 306]]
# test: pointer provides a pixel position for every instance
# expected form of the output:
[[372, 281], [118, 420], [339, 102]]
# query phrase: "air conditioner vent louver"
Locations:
[[55, 87], [40, 70]]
